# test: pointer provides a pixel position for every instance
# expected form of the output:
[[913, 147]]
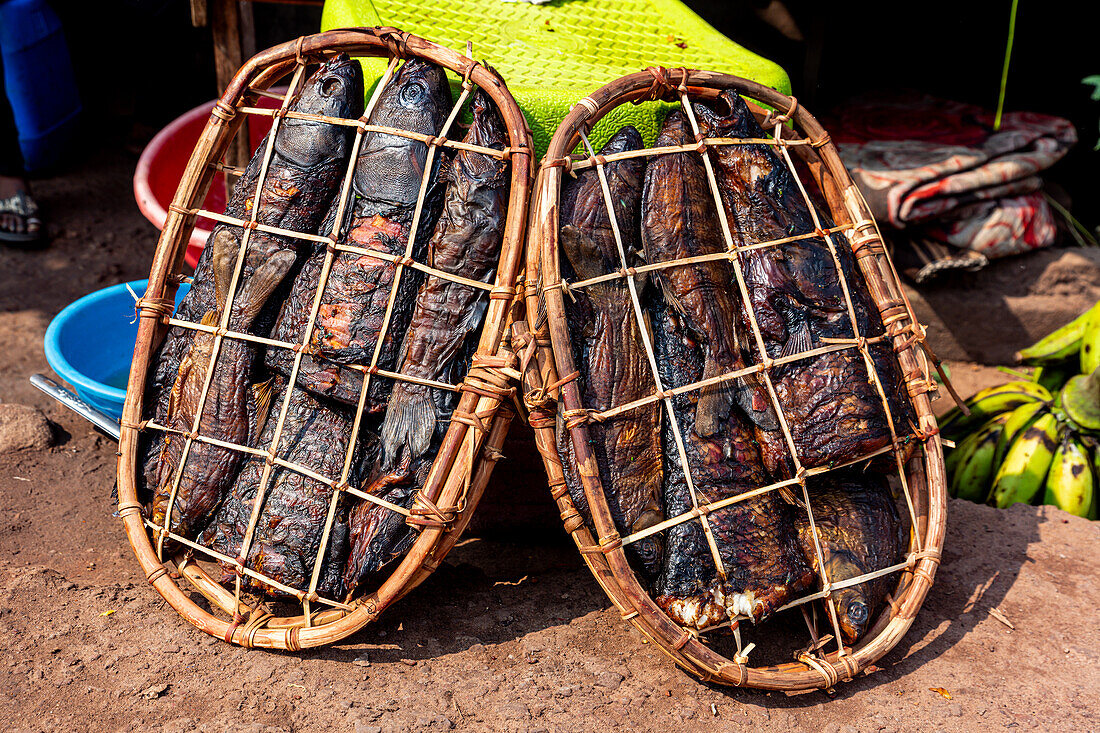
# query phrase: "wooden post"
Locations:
[[224, 16]]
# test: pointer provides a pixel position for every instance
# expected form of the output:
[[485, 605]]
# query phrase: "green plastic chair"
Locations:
[[551, 55]]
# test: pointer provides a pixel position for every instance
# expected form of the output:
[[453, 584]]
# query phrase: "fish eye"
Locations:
[[857, 612], [331, 86], [413, 93]]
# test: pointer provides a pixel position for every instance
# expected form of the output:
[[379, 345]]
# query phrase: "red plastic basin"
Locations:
[[162, 163]]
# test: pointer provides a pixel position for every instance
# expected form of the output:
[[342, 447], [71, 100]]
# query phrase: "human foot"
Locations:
[[19, 220]]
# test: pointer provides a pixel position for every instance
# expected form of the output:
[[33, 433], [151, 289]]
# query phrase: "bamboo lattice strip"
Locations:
[[731, 500], [307, 336], [582, 163], [666, 264], [799, 469], [832, 345], [242, 336], [426, 269], [640, 323], [264, 228], [366, 127], [232, 170], [869, 363], [215, 555], [827, 585], [227, 308], [365, 387]]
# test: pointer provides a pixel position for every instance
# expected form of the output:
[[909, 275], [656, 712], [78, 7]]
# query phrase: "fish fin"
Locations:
[[408, 425], [790, 497], [637, 258], [583, 253], [755, 404], [177, 387], [670, 297], [799, 338], [258, 288], [715, 400], [223, 246], [261, 394]]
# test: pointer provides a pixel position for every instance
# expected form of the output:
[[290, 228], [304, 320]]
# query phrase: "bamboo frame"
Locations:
[[479, 422], [544, 345]]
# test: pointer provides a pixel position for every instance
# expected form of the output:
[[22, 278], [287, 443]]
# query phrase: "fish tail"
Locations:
[[259, 287], [409, 424], [223, 248], [715, 400]]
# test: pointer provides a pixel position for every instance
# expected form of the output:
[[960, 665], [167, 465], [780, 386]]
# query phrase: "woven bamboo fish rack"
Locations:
[[478, 424], [543, 341]]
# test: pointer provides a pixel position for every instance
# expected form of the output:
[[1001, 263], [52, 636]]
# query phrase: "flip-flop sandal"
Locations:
[[21, 205]]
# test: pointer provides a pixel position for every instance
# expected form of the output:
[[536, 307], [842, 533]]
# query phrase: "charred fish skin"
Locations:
[[386, 185], [295, 508], [679, 220], [466, 242], [609, 349], [755, 538], [377, 534], [303, 176], [833, 409], [233, 408], [860, 532]]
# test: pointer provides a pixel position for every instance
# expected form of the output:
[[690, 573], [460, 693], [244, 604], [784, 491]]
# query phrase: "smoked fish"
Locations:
[[609, 350], [860, 531], [386, 185], [295, 507], [834, 411], [378, 535], [679, 220], [466, 242], [755, 538], [307, 165], [233, 409]]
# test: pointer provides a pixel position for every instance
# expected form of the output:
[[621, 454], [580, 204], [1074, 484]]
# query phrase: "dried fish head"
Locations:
[[334, 90]]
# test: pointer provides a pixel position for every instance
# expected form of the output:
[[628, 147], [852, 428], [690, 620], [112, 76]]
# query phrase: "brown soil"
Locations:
[[510, 634]]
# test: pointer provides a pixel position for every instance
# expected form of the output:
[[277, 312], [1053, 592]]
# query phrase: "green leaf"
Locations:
[[1093, 81]]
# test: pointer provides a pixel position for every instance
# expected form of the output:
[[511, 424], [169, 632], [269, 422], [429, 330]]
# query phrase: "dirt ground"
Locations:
[[510, 634]]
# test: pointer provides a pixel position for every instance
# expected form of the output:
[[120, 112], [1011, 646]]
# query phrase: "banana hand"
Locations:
[[1023, 474], [1060, 344], [1090, 342], [989, 403], [1019, 420], [1070, 484], [974, 473]]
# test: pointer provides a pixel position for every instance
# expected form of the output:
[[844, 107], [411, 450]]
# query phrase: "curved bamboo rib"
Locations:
[[712, 257], [922, 478], [241, 336], [471, 444]]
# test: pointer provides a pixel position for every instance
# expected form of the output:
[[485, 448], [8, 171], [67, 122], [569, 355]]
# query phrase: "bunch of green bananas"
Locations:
[[1035, 441]]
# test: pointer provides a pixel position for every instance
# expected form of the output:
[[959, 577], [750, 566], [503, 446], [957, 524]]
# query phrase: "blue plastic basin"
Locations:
[[90, 344]]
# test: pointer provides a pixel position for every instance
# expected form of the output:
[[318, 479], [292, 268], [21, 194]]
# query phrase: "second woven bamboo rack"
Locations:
[[478, 424], [542, 340]]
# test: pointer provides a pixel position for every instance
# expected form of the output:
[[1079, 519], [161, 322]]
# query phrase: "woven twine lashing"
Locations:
[[469, 449], [544, 341]]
